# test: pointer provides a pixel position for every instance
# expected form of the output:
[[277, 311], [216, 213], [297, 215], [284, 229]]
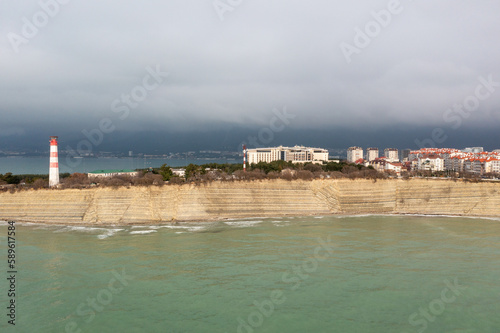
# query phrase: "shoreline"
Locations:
[[247, 219]]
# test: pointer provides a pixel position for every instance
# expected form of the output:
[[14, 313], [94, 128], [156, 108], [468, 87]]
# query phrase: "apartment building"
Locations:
[[391, 154], [431, 163], [354, 154], [372, 154]]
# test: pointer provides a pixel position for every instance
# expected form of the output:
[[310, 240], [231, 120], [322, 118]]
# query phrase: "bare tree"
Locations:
[[313, 167], [40, 183], [76, 180], [305, 175]]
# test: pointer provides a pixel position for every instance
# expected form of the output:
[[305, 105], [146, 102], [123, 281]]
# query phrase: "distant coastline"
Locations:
[[40, 165], [247, 199]]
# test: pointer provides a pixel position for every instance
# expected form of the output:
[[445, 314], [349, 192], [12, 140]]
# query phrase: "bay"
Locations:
[[304, 274], [40, 165]]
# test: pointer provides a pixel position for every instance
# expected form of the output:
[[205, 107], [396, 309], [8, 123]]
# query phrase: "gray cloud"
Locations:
[[263, 55]]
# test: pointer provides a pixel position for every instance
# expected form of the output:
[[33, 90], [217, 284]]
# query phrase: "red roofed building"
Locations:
[[360, 161], [379, 164], [431, 162], [394, 167]]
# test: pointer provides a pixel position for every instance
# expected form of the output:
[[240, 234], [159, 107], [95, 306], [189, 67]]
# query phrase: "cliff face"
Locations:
[[251, 199]]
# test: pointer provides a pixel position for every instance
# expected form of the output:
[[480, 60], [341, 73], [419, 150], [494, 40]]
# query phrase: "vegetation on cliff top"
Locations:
[[199, 174]]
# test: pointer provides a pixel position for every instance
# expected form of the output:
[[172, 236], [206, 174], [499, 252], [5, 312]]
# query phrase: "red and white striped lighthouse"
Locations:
[[54, 162], [244, 158]]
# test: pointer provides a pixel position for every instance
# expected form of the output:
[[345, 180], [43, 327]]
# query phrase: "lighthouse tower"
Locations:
[[244, 158], [54, 162]]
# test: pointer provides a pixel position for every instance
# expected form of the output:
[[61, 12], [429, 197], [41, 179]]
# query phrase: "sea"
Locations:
[[371, 273], [40, 165]]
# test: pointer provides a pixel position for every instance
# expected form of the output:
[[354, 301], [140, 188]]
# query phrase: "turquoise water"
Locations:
[[330, 274]]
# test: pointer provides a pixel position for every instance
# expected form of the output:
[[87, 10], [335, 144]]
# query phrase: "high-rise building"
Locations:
[[54, 162], [372, 154], [405, 153], [391, 154], [354, 154]]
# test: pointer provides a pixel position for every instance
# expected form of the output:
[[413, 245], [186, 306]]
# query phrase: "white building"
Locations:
[[354, 154], [481, 166], [475, 150], [393, 167], [297, 154], [264, 155], [457, 164], [181, 172], [469, 165], [372, 154], [471, 160], [431, 163], [391, 154], [495, 166], [111, 173], [378, 164]]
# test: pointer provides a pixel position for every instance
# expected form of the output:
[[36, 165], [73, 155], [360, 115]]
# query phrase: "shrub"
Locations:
[[115, 181], [176, 180], [40, 183], [147, 179], [305, 175], [349, 169], [336, 175], [273, 175], [313, 167], [76, 180], [288, 174]]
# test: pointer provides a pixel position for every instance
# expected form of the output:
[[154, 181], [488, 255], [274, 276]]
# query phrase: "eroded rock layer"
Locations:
[[220, 200]]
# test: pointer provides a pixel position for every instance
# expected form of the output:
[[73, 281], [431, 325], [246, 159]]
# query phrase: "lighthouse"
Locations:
[[244, 158], [54, 162]]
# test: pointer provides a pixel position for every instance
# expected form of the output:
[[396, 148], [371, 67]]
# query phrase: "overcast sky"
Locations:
[[234, 64]]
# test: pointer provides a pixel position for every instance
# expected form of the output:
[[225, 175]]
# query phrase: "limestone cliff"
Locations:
[[219, 200]]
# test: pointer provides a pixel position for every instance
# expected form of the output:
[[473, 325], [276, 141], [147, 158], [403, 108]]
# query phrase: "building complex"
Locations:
[[469, 160], [297, 154], [112, 173]]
